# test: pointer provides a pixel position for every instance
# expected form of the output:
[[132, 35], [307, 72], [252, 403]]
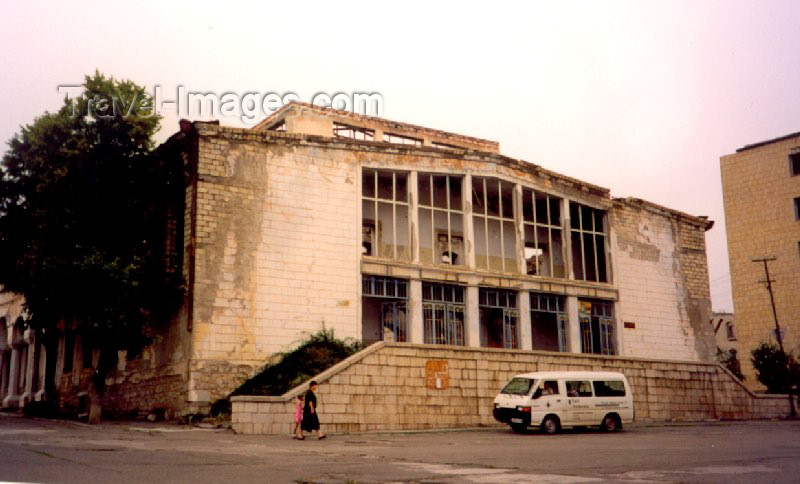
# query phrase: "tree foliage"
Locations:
[[81, 203], [776, 370], [730, 360]]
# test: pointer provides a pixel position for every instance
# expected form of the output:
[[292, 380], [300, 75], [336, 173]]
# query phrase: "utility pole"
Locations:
[[768, 281]]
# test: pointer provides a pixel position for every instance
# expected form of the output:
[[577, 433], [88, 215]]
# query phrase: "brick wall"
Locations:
[[662, 275], [384, 388]]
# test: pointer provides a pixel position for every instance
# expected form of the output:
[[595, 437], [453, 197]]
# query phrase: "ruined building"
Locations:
[[382, 230], [761, 193]]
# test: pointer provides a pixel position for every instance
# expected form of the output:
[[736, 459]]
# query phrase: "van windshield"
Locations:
[[518, 386]]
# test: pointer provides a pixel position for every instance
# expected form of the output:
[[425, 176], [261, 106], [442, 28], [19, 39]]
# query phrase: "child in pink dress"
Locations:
[[298, 417]]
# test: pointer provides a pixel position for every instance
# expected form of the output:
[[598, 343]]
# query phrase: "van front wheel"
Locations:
[[550, 425], [610, 423]]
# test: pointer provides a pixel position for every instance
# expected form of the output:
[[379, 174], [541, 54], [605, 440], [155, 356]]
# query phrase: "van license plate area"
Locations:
[[516, 420]]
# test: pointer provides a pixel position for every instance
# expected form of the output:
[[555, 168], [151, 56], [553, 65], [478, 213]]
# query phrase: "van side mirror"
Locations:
[[537, 393]]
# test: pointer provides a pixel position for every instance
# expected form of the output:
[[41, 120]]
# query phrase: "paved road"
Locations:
[[54, 451]]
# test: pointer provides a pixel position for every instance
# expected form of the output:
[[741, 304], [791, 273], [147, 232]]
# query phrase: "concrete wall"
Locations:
[[662, 275], [384, 388], [758, 193]]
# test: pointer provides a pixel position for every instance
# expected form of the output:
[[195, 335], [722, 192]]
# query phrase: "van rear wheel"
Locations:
[[550, 425], [610, 423]]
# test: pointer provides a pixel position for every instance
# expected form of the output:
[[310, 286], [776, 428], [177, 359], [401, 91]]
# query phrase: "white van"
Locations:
[[555, 399]]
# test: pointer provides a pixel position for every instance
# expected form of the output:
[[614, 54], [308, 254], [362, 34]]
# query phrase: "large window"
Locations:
[[384, 216], [493, 217], [588, 239], [443, 314], [498, 318], [441, 219], [383, 310], [597, 327], [401, 140], [548, 322], [353, 132], [544, 246], [794, 164]]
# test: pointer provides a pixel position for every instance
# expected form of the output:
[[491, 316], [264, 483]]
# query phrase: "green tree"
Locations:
[[775, 369], [82, 219]]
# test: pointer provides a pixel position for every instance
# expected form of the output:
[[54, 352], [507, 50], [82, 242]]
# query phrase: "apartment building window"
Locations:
[[794, 163], [401, 140], [548, 322], [441, 219], [353, 132], [384, 215], [443, 314], [730, 333], [493, 218], [544, 242], [588, 240], [498, 318], [598, 335]]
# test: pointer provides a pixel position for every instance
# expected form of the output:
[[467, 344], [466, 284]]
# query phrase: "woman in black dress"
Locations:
[[310, 416]]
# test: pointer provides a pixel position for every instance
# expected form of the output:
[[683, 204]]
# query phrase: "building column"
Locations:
[[4, 358], [413, 215], [12, 396], [574, 325], [469, 229], [473, 318], [415, 316], [41, 393], [29, 337], [525, 334]]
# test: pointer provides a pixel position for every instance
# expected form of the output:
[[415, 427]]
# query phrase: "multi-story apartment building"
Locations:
[[761, 190]]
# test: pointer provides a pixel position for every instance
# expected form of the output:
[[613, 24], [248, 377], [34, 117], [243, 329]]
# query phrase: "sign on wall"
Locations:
[[437, 376]]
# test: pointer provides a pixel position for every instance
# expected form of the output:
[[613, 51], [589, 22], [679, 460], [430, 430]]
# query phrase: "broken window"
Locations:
[[598, 335], [794, 163], [797, 208], [443, 314], [281, 126], [493, 217], [353, 132], [441, 220], [498, 318], [384, 215], [548, 322], [383, 309], [401, 140], [588, 240], [542, 233], [446, 146]]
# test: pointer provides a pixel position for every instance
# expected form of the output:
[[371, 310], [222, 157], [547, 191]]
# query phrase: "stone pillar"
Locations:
[[5, 349], [525, 334], [567, 240], [12, 396], [29, 337], [415, 316], [413, 214], [41, 393], [473, 318], [574, 325], [469, 230]]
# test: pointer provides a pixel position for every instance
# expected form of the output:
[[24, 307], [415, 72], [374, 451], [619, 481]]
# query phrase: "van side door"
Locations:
[[580, 403]]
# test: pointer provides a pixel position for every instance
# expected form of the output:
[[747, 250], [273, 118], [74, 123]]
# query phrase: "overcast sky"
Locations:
[[641, 97]]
